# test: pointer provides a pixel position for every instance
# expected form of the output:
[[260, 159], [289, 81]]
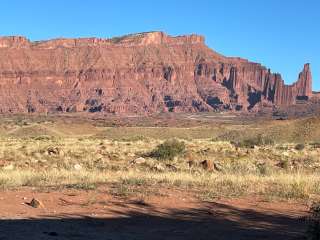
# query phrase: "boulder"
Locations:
[[158, 168], [139, 160], [171, 167], [218, 167], [207, 165], [53, 151], [77, 167], [191, 163], [8, 167]]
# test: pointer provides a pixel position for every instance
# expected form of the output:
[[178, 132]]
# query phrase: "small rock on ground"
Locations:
[[35, 203], [139, 160]]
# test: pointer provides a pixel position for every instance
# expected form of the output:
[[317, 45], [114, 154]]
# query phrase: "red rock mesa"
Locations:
[[139, 73]]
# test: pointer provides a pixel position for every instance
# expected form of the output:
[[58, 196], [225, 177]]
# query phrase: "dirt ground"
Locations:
[[78, 214]]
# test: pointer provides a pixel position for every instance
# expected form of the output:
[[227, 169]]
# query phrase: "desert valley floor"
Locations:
[[169, 176]]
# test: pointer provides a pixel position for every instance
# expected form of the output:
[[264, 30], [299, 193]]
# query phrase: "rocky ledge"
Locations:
[[139, 39]]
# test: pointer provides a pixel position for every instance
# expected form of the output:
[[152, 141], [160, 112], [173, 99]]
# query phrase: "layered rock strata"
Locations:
[[139, 73]]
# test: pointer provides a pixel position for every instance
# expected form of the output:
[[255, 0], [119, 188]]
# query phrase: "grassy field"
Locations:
[[270, 159]]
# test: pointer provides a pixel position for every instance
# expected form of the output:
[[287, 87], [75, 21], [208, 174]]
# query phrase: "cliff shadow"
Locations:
[[214, 221]]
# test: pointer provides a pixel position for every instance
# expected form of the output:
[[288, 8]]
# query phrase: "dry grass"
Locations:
[[41, 154], [208, 185]]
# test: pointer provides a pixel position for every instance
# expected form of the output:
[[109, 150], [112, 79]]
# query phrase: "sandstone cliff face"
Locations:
[[139, 73]]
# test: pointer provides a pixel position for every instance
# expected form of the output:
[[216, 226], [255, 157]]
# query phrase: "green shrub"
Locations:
[[168, 150], [263, 169], [299, 147], [315, 145], [259, 140], [134, 138], [43, 138]]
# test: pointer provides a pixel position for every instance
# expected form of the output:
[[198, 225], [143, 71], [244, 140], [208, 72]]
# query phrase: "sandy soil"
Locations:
[[75, 214]]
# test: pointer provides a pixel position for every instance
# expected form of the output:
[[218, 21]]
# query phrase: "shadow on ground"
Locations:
[[214, 221]]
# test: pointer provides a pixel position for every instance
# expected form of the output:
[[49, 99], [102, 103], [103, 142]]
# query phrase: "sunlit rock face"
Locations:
[[138, 73]]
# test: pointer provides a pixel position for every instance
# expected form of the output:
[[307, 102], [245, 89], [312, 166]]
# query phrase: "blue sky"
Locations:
[[280, 34]]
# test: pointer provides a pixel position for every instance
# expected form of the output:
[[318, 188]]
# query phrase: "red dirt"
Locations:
[[73, 214]]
